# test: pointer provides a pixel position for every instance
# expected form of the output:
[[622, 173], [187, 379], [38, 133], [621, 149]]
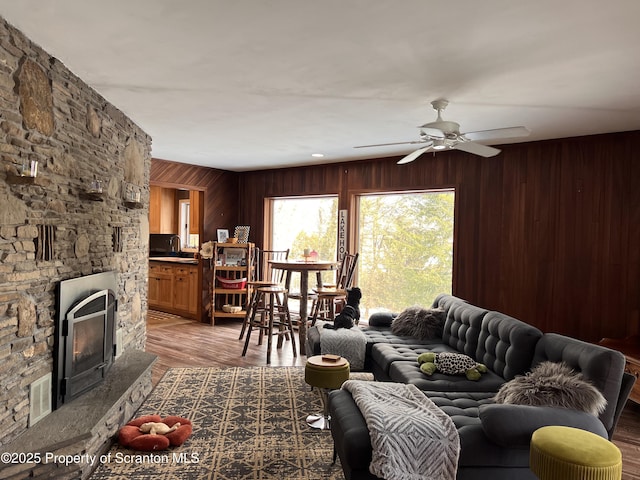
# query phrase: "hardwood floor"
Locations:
[[180, 342]]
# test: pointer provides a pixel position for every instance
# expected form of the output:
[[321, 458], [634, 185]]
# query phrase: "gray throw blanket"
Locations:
[[350, 343], [411, 437]]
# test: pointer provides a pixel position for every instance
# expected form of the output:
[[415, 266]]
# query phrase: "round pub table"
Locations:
[[303, 267]]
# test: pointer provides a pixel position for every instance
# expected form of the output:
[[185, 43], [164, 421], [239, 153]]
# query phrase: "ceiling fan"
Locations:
[[444, 135]]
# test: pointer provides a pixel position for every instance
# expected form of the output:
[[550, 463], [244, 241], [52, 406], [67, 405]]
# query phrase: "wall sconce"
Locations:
[[29, 168], [95, 186]]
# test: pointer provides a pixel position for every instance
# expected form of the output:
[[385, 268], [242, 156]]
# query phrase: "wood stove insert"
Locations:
[[85, 334]]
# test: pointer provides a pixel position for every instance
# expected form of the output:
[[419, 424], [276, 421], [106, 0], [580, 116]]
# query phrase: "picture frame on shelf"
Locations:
[[242, 233], [223, 235], [235, 256]]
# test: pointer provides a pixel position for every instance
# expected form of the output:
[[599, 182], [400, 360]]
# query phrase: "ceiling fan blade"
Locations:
[[508, 132], [413, 155], [476, 149], [387, 144], [432, 132]]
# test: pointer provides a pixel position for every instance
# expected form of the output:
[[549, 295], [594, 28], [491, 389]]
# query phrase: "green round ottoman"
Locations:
[[566, 453], [325, 372]]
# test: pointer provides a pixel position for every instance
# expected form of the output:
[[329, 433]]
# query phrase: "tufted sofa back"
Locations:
[[444, 301], [462, 327], [602, 366], [506, 345]]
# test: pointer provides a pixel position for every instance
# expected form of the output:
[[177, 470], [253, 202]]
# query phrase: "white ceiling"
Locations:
[[252, 84]]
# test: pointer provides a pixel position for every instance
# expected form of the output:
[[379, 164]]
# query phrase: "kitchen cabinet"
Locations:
[[174, 288], [162, 210], [185, 293], [160, 286], [232, 263], [195, 205]]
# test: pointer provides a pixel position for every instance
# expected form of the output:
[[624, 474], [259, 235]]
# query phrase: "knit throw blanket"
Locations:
[[350, 343], [411, 437]]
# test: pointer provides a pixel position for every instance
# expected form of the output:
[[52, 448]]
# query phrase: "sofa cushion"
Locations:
[[476, 450], [599, 365], [513, 425], [384, 335], [506, 345], [374, 335], [409, 372], [384, 354], [381, 319]]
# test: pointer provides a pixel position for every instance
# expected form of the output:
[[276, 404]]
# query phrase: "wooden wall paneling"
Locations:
[[469, 230], [490, 237], [220, 187], [630, 205], [541, 222]]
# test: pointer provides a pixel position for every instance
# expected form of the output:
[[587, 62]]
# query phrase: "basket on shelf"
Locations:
[[231, 308], [237, 283]]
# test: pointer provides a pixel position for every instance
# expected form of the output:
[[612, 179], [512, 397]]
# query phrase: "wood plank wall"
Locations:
[[220, 189], [548, 232]]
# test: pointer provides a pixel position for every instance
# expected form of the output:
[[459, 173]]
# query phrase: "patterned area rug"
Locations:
[[248, 423]]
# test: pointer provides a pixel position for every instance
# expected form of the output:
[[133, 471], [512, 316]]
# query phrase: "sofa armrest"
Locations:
[[381, 319], [512, 425]]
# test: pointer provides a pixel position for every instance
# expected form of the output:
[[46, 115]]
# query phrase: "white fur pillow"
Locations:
[[552, 384], [422, 323]]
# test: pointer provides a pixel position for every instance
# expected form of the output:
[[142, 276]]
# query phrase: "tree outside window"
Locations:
[[406, 249]]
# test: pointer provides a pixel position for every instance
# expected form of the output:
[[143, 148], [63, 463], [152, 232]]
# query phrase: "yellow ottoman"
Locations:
[[325, 372], [566, 453]]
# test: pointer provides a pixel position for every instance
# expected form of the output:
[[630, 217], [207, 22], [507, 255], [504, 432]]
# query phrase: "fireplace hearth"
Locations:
[[85, 334]]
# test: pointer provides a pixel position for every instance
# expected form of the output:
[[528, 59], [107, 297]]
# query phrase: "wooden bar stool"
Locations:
[[271, 303], [265, 276]]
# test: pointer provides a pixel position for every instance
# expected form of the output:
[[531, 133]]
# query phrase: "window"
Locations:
[[405, 241], [304, 222], [184, 219]]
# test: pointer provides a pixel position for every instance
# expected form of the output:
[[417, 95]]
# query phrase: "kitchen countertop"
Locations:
[[183, 260]]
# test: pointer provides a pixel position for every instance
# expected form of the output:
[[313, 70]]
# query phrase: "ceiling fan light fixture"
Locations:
[[439, 144]]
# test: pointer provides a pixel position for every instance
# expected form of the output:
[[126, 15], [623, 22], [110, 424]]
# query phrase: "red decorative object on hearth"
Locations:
[[130, 435]]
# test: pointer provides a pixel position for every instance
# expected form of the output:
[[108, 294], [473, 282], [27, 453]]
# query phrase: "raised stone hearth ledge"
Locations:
[[86, 425]]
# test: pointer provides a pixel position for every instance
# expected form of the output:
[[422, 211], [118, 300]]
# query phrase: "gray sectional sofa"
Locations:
[[494, 437]]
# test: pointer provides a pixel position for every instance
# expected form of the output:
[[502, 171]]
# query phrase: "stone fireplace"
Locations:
[[52, 231]]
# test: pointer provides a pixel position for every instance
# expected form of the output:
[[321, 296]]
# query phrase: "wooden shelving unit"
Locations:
[[231, 261]]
